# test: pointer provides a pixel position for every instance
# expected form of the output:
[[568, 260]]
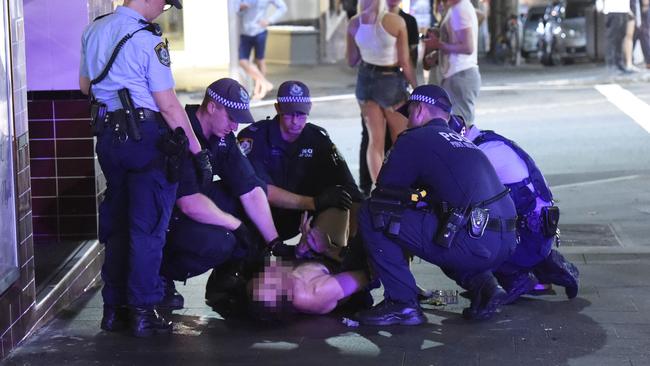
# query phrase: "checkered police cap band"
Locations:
[[227, 103], [429, 100], [292, 99]]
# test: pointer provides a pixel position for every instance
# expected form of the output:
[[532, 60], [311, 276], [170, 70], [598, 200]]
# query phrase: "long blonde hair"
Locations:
[[381, 6]]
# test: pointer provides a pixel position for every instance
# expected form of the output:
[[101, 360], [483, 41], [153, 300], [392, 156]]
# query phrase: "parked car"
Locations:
[[533, 31], [565, 36]]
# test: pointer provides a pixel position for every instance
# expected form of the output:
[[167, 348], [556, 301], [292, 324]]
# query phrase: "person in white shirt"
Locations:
[[457, 46], [253, 23]]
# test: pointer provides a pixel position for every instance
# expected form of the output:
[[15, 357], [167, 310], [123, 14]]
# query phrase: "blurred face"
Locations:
[[393, 3], [291, 125], [368, 4], [272, 284], [155, 8]]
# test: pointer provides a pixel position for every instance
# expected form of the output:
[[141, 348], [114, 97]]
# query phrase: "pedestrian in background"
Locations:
[[641, 9], [253, 24], [377, 42], [134, 109], [457, 47], [365, 182], [616, 16]]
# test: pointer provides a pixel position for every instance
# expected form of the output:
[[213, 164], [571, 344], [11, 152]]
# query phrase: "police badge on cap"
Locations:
[[293, 97]]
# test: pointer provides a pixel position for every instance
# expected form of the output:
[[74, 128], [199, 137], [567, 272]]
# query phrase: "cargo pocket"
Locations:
[[477, 248], [165, 195]]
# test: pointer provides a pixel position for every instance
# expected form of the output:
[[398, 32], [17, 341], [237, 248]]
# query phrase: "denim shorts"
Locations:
[[386, 88], [247, 43]]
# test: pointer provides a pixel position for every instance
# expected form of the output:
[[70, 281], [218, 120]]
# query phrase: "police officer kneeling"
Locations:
[[537, 217], [209, 226], [125, 68], [464, 223], [302, 167]]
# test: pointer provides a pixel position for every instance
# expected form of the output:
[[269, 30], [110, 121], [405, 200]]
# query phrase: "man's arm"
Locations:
[[257, 208], [465, 44], [280, 9], [282, 198], [175, 116], [84, 84], [200, 208], [353, 55]]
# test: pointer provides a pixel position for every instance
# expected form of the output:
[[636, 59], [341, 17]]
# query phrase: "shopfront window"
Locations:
[[8, 259]]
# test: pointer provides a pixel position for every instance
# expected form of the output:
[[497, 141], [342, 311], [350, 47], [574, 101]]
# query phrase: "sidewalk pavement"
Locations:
[[338, 78], [607, 324]]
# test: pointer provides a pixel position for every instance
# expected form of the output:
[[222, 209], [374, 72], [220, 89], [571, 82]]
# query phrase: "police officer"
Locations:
[[453, 230], [122, 54], [209, 226], [537, 216], [302, 167]]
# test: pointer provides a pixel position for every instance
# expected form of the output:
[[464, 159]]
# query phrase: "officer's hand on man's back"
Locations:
[[335, 196], [203, 167]]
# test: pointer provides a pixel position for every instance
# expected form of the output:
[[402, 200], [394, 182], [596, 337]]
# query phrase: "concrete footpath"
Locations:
[[607, 324]]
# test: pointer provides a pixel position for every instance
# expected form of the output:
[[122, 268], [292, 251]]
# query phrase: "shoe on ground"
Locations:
[[115, 318], [557, 270], [517, 284], [146, 321], [172, 299], [486, 298], [390, 312]]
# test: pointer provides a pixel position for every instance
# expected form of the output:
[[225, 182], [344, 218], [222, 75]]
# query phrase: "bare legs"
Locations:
[[256, 72], [376, 118]]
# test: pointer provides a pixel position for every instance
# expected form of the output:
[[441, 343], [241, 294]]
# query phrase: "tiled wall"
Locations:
[[68, 136], [17, 303], [64, 173]]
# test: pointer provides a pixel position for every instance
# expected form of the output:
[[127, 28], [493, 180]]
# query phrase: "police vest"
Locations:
[[524, 199]]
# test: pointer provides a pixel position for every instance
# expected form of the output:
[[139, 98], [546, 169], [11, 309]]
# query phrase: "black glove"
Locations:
[[203, 167], [246, 241], [335, 196], [282, 250]]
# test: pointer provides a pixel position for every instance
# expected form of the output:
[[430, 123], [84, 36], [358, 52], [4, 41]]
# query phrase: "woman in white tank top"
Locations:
[[377, 42]]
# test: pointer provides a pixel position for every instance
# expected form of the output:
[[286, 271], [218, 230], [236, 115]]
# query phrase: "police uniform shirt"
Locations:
[[510, 168], [306, 167], [229, 166], [142, 65], [444, 163]]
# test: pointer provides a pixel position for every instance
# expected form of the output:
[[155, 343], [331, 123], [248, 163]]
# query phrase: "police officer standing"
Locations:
[[208, 227], [125, 67], [537, 217], [302, 167], [464, 223]]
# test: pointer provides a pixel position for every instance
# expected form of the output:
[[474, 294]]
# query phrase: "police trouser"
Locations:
[[194, 248], [134, 214], [533, 248], [462, 261]]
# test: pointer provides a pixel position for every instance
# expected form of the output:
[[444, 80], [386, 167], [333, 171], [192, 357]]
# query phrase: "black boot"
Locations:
[[115, 318], [516, 284], [145, 322], [557, 270], [486, 297], [172, 300]]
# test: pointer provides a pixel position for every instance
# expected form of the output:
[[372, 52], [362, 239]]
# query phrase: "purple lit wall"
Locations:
[[53, 39]]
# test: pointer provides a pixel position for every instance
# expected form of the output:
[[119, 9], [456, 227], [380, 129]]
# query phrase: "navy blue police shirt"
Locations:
[[307, 166], [230, 167], [445, 164]]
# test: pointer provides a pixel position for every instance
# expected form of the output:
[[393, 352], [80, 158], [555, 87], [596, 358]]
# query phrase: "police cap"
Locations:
[[175, 3], [293, 96], [430, 94], [230, 94]]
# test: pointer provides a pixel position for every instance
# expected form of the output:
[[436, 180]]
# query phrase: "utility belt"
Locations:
[[123, 122], [379, 68], [387, 206], [545, 222]]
